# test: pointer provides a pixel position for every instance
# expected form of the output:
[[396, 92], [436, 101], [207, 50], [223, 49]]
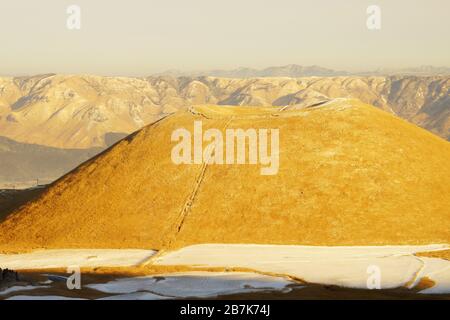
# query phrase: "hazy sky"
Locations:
[[140, 37]]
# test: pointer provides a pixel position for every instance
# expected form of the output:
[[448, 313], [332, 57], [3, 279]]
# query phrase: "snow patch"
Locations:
[[341, 266], [47, 259], [437, 270], [194, 284]]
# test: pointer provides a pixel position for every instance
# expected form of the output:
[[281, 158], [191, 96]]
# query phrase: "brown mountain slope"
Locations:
[[75, 111], [349, 174], [81, 111]]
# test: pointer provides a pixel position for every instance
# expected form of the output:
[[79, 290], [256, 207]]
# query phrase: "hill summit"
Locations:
[[349, 174]]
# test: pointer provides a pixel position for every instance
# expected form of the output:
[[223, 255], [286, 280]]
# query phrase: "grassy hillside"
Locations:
[[350, 174]]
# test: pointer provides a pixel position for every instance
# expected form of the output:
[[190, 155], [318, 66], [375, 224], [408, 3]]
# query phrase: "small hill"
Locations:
[[349, 174]]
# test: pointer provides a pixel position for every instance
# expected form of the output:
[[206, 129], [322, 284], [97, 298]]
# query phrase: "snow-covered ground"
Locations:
[[275, 266], [47, 259], [352, 267], [192, 284], [437, 270]]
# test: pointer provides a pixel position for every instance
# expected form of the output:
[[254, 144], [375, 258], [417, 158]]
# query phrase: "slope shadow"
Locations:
[[11, 199]]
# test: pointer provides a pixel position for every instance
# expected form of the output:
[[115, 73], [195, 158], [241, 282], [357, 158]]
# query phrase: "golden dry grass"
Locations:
[[444, 254], [349, 174], [12, 199]]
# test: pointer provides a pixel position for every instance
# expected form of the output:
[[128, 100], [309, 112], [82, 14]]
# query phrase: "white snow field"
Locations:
[[191, 284], [342, 266], [273, 267], [437, 270], [47, 259]]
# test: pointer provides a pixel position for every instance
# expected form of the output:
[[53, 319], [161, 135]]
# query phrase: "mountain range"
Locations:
[[290, 70], [295, 71], [71, 111]]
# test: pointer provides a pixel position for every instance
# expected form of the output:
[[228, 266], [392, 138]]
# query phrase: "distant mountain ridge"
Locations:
[[418, 71], [290, 70], [296, 71]]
